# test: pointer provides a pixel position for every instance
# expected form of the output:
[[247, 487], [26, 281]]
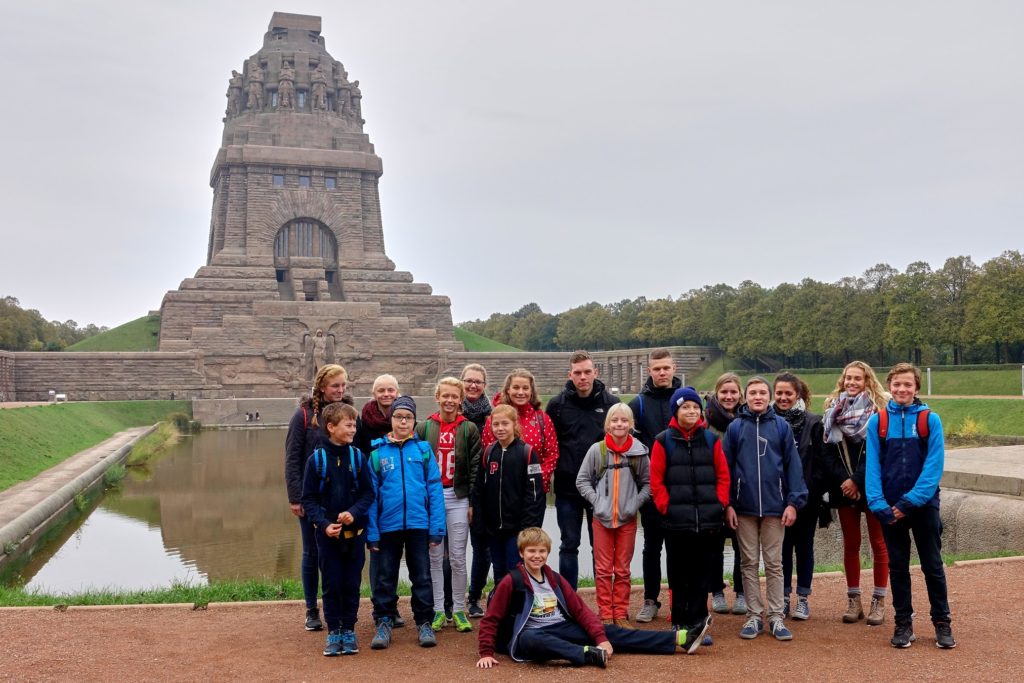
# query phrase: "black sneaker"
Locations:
[[595, 656], [904, 634], [691, 638], [944, 636], [313, 622], [474, 611], [333, 647]]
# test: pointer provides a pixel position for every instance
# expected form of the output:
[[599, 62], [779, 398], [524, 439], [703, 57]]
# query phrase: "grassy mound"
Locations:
[[142, 334], [474, 342]]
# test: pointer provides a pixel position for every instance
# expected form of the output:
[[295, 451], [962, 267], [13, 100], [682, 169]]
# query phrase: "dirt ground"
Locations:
[[265, 641]]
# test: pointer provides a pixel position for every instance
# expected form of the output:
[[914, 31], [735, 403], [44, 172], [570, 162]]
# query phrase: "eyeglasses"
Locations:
[[473, 381], [402, 418]]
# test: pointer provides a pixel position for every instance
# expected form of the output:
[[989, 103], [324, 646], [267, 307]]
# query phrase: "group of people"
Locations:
[[751, 463]]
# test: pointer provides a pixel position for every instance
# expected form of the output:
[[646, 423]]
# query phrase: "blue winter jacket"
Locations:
[[903, 476], [764, 465], [407, 484]]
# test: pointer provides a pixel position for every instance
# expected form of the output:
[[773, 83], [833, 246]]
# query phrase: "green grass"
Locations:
[[1003, 417], [36, 438], [474, 342], [142, 334]]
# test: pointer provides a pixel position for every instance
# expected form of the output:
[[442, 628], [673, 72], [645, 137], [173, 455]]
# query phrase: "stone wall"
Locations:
[[7, 392]]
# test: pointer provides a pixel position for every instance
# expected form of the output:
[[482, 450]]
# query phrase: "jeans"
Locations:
[[457, 520], [926, 526], [414, 543], [481, 564], [761, 537], [799, 538], [341, 565], [309, 569], [569, 511], [504, 554], [654, 537], [613, 549], [566, 641], [694, 561], [849, 521]]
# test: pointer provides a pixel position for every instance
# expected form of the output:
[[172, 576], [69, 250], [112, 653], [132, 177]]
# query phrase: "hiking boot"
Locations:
[[752, 629], [475, 612], [803, 609], [648, 612], [944, 636], [462, 624], [624, 623], [313, 622], [904, 634], [399, 622], [785, 608], [740, 606], [426, 634], [718, 603], [691, 638], [382, 638], [876, 615], [595, 656], [333, 647], [349, 644], [854, 610], [439, 621], [779, 630]]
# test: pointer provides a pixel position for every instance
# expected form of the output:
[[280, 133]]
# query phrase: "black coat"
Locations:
[[301, 440], [579, 423], [652, 410], [834, 471], [509, 492]]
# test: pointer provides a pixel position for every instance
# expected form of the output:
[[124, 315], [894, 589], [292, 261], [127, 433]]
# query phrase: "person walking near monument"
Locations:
[[653, 411], [857, 396], [476, 408], [304, 436]]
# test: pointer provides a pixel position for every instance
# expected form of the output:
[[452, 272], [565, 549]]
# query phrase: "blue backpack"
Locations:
[[355, 464]]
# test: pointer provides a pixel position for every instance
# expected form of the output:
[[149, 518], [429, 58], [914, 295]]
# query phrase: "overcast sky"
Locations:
[[557, 152]]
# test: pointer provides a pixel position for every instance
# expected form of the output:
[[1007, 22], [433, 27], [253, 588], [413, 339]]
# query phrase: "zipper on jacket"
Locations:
[[501, 488], [693, 482], [401, 459], [757, 452]]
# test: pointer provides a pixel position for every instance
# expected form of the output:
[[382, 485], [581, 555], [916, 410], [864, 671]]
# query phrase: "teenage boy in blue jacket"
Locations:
[[905, 454], [336, 495], [408, 517]]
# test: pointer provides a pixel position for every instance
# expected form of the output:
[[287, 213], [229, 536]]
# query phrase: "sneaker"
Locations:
[[803, 609], [462, 624], [752, 629], [718, 603], [382, 638], [876, 615], [649, 611], [595, 656], [426, 634], [854, 609], [785, 608], [475, 611], [624, 623], [779, 630], [944, 636], [349, 644], [399, 621], [904, 634], [740, 606], [448, 613], [313, 622], [439, 621], [691, 638], [333, 647]]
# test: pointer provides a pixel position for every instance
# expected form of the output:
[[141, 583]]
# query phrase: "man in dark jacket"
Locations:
[[578, 414], [652, 411]]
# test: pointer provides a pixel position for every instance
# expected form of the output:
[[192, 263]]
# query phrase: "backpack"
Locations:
[[632, 463], [355, 463], [922, 428]]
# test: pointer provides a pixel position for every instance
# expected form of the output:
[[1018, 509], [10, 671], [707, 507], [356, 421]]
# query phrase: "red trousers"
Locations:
[[613, 551], [849, 521]]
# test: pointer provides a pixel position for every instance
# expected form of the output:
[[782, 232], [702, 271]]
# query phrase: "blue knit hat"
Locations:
[[684, 394], [403, 403]]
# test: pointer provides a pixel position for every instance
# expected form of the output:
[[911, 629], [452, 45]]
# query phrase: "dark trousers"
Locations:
[[481, 563], [566, 641], [654, 537], [718, 578], [446, 571], [414, 543], [926, 526], [341, 566], [799, 538], [691, 559], [310, 567], [569, 511], [504, 554]]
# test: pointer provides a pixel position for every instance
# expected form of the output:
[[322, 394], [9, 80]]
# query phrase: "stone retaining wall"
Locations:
[[7, 392]]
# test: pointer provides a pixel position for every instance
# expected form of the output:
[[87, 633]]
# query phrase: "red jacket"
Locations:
[[537, 431], [659, 493]]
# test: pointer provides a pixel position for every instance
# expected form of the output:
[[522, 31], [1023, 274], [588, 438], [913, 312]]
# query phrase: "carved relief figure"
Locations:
[[234, 94], [286, 87], [319, 87], [319, 351], [255, 101], [357, 107]]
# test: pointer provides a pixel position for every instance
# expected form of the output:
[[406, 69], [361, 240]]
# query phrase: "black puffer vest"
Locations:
[[690, 478]]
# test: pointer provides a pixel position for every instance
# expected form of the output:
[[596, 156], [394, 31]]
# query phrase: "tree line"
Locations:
[[27, 330], [960, 313]]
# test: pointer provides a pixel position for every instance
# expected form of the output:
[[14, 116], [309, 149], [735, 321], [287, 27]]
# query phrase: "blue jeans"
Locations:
[[799, 538], [566, 641], [504, 554], [926, 526], [569, 512], [310, 570], [415, 544]]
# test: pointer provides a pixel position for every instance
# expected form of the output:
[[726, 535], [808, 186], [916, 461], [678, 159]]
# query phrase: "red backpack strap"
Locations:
[[922, 423], [883, 424], [305, 418]]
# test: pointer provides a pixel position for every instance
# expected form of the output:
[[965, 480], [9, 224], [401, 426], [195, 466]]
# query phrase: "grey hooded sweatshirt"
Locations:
[[599, 488]]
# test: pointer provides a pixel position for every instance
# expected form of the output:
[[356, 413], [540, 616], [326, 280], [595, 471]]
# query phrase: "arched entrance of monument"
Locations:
[[306, 262]]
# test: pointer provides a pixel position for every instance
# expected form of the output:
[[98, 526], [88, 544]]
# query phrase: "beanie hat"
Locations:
[[684, 394], [403, 403]]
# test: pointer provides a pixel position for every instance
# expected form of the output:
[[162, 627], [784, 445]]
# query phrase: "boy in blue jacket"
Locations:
[[904, 461], [336, 495], [408, 516], [767, 489]]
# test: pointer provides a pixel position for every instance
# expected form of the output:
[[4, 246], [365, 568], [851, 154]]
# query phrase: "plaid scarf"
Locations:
[[848, 416]]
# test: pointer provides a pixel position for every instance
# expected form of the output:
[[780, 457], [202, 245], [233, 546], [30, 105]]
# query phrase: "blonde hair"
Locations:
[[381, 379], [450, 382], [872, 387], [336, 412], [533, 535], [727, 377], [527, 375], [323, 376], [505, 410], [615, 410], [474, 367]]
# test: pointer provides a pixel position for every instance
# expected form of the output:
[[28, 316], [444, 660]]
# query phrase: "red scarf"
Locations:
[[610, 443], [374, 419]]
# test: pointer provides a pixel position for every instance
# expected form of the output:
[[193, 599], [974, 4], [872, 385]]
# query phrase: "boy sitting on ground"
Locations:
[[535, 615]]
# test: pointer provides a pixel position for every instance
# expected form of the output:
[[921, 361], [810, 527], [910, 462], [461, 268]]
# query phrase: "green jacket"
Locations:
[[467, 450]]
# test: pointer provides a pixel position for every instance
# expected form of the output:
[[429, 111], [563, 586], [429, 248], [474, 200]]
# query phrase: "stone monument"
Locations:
[[296, 274]]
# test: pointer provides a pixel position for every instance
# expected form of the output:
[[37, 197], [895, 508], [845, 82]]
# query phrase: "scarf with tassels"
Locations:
[[848, 416]]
